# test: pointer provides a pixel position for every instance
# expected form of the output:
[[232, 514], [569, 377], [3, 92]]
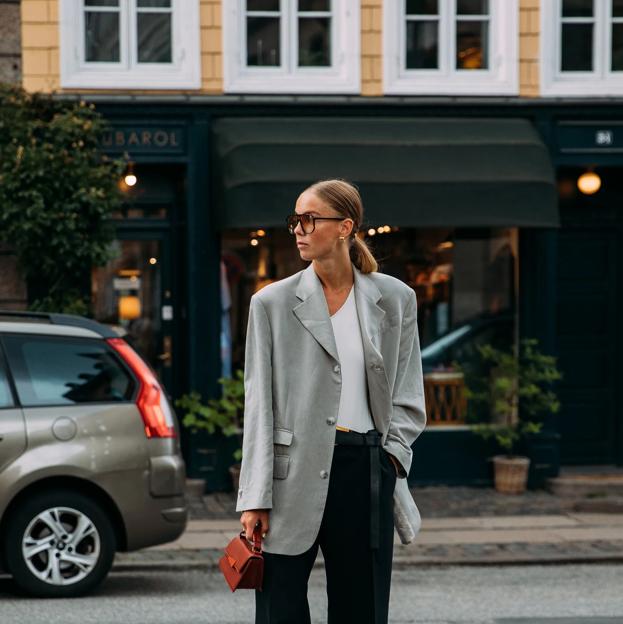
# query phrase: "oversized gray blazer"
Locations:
[[292, 388]]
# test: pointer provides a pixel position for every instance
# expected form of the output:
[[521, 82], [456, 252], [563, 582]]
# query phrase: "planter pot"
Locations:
[[234, 471], [510, 474]]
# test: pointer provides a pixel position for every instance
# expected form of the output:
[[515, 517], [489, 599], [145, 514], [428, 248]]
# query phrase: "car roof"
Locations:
[[55, 324]]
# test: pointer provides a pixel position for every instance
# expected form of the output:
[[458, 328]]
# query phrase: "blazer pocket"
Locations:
[[282, 436], [281, 466]]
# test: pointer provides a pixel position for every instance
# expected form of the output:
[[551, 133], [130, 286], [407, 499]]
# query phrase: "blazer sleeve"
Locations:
[[256, 472], [408, 407]]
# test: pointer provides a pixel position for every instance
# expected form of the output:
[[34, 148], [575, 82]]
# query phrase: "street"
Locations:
[[567, 594]]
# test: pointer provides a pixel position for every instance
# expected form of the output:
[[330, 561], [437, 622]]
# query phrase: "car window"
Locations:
[[468, 349], [6, 400], [52, 370]]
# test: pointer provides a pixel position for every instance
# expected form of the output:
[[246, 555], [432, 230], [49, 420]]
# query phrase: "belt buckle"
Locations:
[[339, 428]]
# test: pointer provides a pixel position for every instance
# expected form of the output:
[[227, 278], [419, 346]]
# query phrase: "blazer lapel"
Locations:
[[313, 311], [370, 315]]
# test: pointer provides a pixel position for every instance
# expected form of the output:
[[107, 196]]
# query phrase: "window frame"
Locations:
[[6, 370], [342, 77], [501, 77], [554, 82], [184, 72]]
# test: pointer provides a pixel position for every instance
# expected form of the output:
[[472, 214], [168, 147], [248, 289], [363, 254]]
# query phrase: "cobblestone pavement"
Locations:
[[444, 501]]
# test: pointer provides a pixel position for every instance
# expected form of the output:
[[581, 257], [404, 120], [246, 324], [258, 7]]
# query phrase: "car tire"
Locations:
[[59, 544]]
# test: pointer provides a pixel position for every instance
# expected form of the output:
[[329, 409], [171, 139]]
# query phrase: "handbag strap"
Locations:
[[257, 541]]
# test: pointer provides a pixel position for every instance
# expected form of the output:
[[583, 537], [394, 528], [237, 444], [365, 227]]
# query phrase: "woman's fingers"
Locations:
[[264, 522], [250, 520]]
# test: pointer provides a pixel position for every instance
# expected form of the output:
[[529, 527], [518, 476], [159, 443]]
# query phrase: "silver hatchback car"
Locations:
[[90, 459]]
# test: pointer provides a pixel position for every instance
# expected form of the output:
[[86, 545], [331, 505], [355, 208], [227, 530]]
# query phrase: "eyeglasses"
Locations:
[[307, 221]]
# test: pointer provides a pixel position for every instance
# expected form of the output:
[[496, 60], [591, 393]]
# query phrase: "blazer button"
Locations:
[[324, 474], [336, 368], [330, 420], [378, 368]]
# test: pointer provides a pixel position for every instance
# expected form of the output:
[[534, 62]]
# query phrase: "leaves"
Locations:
[[57, 193], [224, 414], [518, 389]]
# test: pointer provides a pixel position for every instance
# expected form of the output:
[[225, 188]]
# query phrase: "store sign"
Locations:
[[583, 137], [146, 140]]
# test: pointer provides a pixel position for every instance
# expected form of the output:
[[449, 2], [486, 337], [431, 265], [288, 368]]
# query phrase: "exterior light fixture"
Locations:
[[129, 307], [589, 182], [130, 177], [254, 242], [371, 232]]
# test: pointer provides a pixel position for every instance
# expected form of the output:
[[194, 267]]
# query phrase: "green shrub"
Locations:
[[57, 193]]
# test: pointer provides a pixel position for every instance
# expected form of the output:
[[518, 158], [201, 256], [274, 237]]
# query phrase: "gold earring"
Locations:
[[342, 238]]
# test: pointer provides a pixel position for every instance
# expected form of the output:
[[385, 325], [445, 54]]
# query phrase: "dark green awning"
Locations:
[[411, 172]]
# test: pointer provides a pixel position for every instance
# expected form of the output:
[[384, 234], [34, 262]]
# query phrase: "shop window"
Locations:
[[450, 46], [582, 43], [130, 43], [297, 46], [465, 281]]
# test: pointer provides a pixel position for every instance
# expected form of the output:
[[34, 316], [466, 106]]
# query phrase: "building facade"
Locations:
[[465, 123]]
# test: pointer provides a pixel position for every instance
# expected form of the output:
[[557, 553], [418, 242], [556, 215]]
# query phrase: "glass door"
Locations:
[[135, 291]]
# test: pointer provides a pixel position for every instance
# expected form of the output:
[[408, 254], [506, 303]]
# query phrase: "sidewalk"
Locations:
[[460, 526]]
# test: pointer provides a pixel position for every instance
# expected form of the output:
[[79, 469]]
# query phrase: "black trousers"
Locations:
[[358, 577]]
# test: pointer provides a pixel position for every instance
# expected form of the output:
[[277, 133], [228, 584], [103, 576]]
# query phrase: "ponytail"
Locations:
[[361, 255]]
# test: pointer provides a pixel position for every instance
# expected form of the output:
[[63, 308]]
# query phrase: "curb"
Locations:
[[209, 564]]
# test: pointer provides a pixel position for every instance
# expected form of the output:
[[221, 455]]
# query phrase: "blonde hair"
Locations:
[[345, 199]]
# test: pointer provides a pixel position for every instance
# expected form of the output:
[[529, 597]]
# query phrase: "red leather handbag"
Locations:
[[242, 564]]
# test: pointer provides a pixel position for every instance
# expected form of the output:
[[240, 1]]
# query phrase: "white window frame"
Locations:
[[501, 78], [602, 81], [183, 73], [342, 77]]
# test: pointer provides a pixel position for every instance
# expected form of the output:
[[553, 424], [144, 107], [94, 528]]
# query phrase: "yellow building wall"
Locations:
[[40, 48], [211, 47], [371, 47], [529, 27], [40, 51]]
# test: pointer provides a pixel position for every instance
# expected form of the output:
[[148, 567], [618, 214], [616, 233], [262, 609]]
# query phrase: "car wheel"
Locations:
[[59, 544]]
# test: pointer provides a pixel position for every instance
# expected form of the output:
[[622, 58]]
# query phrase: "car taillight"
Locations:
[[151, 401]]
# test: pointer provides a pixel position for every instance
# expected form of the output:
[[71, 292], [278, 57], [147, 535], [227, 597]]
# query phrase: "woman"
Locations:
[[333, 402]]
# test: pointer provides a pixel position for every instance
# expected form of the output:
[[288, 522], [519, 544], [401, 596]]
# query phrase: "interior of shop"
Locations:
[[465, 281]]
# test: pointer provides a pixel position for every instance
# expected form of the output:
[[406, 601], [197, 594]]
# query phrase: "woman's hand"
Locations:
[[251, 517], [396, 463]]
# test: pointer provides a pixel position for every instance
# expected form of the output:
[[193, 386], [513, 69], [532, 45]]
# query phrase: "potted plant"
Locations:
[[224, 414], [518, 395]]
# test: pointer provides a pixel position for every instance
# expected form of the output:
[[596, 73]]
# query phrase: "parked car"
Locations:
[[460, 343], [90, 459]]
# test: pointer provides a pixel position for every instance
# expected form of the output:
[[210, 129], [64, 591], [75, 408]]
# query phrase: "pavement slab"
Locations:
[[513, 539]]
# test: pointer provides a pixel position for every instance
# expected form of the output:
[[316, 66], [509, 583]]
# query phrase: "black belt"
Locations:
[[371, 439]]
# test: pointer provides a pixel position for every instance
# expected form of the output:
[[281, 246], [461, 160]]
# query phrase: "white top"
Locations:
[[354, 411]]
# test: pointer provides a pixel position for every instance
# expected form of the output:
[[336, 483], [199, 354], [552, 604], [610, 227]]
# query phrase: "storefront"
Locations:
[[462, 203]]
